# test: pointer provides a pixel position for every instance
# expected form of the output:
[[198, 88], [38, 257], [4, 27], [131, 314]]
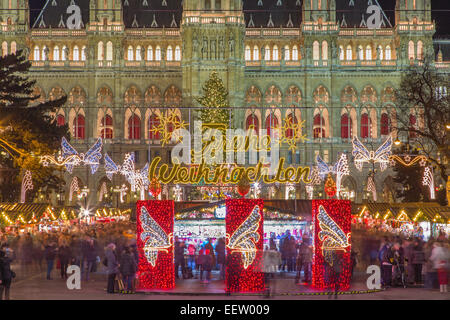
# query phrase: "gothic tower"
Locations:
[[213, 40]]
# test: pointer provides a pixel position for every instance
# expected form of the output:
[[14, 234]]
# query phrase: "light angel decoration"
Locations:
[[27, 184], [380, 156], [71, 158], [428, 180], [340, 169], [138, 179]]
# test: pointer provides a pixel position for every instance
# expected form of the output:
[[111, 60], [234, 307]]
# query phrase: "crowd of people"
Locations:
[[403, 262]]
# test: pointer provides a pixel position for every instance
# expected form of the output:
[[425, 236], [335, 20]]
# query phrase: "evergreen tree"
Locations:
[[215, 102], [28, 129], [408, 180]]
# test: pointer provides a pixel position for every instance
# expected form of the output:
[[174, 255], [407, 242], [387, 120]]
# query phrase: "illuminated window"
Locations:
[[388, 53], [365, 125], [106, 124], [177, 53], [247, 53], [255, 53], [130, 53], [324, 50], [138, 53], [83, 53], [153, 122], [349, 53], [346, 126], [368, 53], [169, 53], [411, 54], [267, 53], [134, 127], [316, 53], [109, 51], [275, 53], [76, 54], [99, 51], [384, 124], [287, 55], [149, 53], [56, 53], [380, 50], [341, 53], [158, 53], [78, 127], [295, 53], [419, 50]]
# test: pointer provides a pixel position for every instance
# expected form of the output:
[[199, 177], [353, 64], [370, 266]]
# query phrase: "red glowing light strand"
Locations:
[[239, 278], [338, 211], [161, 275]]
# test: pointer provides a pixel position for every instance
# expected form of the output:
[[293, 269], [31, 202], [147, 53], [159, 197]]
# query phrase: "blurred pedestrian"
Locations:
[[128, 268], [220, 253], [418, 259], [64, 256], [112, 265], [50, 255], [6, 274], [440, 258]]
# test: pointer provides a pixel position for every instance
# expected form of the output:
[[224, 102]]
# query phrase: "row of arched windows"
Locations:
[[413, 53], [140, 53], [365, 53], [321, 128], [271, 53], [58, 53], [12, 49]]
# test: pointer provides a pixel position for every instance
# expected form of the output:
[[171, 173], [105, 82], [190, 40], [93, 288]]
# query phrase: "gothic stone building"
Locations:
[[126, 61]]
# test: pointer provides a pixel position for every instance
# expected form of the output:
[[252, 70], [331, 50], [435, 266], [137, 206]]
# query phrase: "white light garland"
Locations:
[[103, 191], [138, 179], [372, 188], [27, 184], [74, 187], [340, 169], [428, 180]]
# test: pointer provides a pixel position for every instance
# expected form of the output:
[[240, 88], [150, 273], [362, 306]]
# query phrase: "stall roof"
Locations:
[[414, 211]]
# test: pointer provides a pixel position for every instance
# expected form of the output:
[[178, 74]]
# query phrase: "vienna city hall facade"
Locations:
[[316, 61]]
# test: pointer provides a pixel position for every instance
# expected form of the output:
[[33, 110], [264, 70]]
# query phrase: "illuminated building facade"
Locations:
[[313, 60]]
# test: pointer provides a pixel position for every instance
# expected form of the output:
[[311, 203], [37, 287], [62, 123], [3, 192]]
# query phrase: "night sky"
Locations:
[[440, 12]]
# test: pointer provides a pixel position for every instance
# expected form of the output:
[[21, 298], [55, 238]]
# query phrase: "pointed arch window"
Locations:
[[177, 53], [287, 53], [130, 53], [316, 53], [267, 53], [255, 53], [411, 54], [158, 53], [149, 53], [271, 122], [368, 53], [106, 131], [60, 120], [79, 127], [324, 50], [349, 53], [56, 53], [4, 48], [169, 53], [380, 50], [341, 53], [384, 124], [247, 53], [99, 51], [76, 54], [109, 51], [83, 53], [318, 126], [419, 50], [346, 126], [275, 53], [365, 124], [388, 53], [134, 127], [252, 122], [295, 53]]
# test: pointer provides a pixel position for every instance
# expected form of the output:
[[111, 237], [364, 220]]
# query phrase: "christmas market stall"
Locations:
[[423, 220]]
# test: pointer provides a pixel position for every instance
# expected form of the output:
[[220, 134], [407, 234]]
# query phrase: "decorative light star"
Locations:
[[291, 133], [166, 121]]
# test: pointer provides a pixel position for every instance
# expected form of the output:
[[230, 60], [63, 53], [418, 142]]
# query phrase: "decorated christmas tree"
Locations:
[[215, 102]]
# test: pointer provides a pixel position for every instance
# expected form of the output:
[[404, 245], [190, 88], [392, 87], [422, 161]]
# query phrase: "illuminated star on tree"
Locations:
[[168, 123]]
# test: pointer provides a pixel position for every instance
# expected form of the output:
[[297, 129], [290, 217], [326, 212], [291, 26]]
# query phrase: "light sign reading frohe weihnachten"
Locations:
[[225, 156]]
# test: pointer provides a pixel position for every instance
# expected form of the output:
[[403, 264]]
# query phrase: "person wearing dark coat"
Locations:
[[179, 257], [418, 259], [128, 268], [64, 255], [50, 255], [89, 257], [112, 265], [6, 274], [220, 253]]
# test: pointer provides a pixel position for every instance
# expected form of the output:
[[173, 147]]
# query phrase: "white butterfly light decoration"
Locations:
[[245, 237]]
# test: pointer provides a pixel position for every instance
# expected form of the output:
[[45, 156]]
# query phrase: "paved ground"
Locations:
[[36, 287]]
